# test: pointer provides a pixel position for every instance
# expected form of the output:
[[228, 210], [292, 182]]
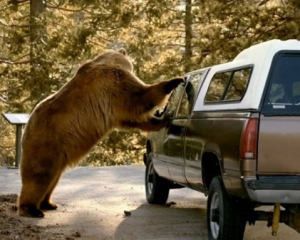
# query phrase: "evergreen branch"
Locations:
[[263, 32], [271, 29]]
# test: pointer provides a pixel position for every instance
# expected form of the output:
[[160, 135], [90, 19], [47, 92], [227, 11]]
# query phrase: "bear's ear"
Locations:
[[123, 51]]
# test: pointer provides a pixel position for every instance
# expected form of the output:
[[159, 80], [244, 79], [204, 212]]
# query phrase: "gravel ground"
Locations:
[[92, 202]]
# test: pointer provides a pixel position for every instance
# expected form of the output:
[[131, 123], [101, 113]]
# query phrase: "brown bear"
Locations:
[[103, 94]]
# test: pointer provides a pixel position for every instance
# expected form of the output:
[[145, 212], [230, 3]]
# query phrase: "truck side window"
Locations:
[[238, 84], [175, 98], [217, 87], [228, 86], [188, 97]]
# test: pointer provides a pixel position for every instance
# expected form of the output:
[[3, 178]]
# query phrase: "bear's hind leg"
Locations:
[[47, 204], [29, 200], [34, 190]]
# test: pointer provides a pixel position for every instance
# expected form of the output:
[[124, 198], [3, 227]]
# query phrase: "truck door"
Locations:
[[192, 147], [279, 127], [173, 144]]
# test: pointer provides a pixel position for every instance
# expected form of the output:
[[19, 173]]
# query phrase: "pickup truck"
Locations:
[[234, 135]]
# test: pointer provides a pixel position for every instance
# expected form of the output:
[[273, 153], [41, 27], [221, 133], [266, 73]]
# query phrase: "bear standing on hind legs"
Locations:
[[104, 94]]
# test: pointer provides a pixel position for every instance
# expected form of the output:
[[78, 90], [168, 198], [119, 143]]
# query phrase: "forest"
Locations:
[[43, 42]]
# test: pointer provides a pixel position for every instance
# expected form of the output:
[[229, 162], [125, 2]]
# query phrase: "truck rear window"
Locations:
[[283, 93]]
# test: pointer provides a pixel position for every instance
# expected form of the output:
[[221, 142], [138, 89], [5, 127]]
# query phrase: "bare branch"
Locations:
[[4, 101], [13, 63], [2, 146], [64, 9], [263, 2], [10, 89], [136, 149], [22, 17], [25, 100], [17, 2], [14, 25], [16, 61], [97, 43], [19, 26]]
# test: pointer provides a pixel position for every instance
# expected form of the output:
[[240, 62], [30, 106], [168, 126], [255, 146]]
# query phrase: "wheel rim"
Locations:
[[149, 173], [214, 226]]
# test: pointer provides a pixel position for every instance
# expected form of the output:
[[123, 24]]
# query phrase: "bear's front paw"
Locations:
[[172, 84]]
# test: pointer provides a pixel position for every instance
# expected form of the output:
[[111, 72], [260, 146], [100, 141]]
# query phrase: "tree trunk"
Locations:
[[36, 34], [188, 35], [36, 7]]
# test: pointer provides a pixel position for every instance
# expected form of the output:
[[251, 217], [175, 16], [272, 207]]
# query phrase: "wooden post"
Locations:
[[18, 145]]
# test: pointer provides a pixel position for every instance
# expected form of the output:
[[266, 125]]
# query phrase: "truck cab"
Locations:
[[233, 134]]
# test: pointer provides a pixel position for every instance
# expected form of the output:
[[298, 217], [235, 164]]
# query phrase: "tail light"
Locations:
[[249, 140]]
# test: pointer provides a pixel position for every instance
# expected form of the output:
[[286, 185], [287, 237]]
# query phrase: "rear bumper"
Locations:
[[279, 189]]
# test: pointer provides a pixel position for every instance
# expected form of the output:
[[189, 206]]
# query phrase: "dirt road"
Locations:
[[92, 202]]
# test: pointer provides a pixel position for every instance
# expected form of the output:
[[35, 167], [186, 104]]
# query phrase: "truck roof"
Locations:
[[259, 56]]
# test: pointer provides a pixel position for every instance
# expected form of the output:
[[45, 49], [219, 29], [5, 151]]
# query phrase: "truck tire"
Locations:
[[225, 216], [157, 188]]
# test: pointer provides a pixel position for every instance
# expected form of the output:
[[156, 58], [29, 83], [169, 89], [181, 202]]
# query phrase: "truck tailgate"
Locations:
[[279, 145]]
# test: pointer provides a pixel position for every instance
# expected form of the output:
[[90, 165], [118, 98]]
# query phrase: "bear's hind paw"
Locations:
[[31, 211], [48, 206]]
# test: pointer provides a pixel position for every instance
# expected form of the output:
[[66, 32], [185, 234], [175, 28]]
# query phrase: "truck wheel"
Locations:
[[225, 216], [157, 188]]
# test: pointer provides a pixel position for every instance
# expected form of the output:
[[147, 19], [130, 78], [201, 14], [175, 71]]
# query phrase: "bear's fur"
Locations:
[[104, 94]]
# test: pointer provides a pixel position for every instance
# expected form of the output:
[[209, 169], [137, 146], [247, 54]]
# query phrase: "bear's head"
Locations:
[[115, 58]]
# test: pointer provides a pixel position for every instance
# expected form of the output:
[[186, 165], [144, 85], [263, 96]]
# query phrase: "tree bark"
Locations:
[[36, 8], [188, 35]]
